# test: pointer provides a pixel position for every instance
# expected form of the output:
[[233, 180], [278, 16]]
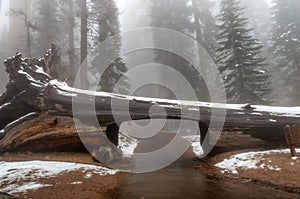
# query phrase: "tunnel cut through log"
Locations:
[[31, 90]]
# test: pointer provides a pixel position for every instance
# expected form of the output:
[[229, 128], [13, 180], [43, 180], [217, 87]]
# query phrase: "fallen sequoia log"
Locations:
[[36, 110]]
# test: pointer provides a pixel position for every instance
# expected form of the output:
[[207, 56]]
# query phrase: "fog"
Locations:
[[130, 14], [3, 49]]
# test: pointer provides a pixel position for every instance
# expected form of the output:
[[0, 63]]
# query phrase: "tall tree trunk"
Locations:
[[195, 5], [71, 41], [199, 36], [27, 22], [84, 17]]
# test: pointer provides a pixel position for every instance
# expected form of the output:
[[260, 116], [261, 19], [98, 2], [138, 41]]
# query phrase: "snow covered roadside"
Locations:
[[128, 145], [195, 144], [20, 177], [252, 160]]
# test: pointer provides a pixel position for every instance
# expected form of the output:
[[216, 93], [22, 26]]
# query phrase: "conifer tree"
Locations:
[[176, 15], [286, 49], [48, 27], [259, 14], [104, 25], [55, 22], [205, 26], [239, 58]]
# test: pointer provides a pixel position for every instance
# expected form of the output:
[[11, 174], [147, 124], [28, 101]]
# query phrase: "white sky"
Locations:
[[122, 4], [4, 14]]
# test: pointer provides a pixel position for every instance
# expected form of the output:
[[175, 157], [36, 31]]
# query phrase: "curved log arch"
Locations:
[[112, 132]]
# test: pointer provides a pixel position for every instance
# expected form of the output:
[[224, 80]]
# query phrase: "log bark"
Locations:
[[46, 133], [37, 95]]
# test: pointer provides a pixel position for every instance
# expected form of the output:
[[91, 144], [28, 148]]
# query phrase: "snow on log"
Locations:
[[31, 90]]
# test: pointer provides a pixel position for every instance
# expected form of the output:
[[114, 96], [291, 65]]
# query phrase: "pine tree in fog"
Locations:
[[68, 13], [205, 26], [177, 15], [286, 48], [259, 14], [239, 57], [21, 36], [83, 43], [55, 22], [48, 27], [104, 23], [3, 56]]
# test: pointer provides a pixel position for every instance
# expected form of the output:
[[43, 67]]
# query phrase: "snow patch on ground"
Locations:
[[249, 160], [22, 176], [88, 175], [195, 144], [13, 188], [76, 182], [127, 145], [294, 158]]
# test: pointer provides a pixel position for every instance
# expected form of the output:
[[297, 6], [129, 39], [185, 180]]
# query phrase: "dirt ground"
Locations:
[[104, 186], [232, 143], [63, 185]]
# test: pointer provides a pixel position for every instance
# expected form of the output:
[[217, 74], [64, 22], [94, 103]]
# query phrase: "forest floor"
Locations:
[[242, 159], [274, 170], [78, 183]]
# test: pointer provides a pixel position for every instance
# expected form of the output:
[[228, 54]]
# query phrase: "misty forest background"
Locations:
[[255, 43]]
